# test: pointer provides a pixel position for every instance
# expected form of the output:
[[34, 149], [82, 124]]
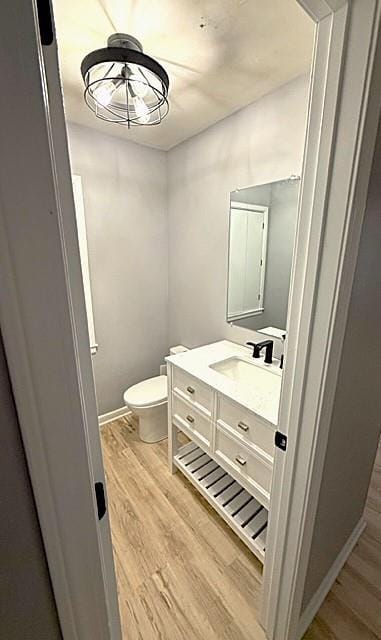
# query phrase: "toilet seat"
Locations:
[[148, 393]]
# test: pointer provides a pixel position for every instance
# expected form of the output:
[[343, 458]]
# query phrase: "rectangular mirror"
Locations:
[[262, 230]]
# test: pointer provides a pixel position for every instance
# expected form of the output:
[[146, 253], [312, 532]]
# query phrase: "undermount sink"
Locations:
[[249, 374]]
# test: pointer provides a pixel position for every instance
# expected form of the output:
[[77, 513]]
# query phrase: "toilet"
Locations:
[[148, 400]]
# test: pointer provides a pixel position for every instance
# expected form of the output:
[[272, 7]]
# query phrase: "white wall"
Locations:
[[125, 197], [261, 143]]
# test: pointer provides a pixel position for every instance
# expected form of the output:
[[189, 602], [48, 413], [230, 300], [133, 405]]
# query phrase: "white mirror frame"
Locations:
[[343, 116]]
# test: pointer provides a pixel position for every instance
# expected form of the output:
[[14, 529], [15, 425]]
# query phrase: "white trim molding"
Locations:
[[105, 418], [319, 596]]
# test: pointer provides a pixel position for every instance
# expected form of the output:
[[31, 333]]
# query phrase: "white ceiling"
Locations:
[[220, 55]]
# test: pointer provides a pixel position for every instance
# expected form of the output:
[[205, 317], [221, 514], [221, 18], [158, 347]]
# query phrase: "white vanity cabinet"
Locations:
[[230, 454]]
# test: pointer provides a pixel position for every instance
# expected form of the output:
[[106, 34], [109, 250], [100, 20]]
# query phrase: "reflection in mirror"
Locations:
[[261, 242], [248, 243]]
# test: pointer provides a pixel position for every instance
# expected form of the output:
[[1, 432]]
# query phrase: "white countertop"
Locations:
[[265, 403]]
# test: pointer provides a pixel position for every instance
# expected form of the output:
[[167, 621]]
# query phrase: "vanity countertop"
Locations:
[[197, 362]]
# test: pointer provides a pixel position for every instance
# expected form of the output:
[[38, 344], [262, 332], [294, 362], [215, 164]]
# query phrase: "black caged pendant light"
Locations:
[[124, 85]]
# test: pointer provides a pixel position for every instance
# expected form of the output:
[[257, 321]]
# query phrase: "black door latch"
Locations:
[[101, 499], [280, 440], [45, 22]]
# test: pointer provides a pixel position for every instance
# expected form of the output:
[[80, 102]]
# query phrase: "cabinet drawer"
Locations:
[[185, 415], [197, 393], [246, 425], [244, 461]]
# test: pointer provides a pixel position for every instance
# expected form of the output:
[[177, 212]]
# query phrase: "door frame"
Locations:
[[43, 316], [345, 98]]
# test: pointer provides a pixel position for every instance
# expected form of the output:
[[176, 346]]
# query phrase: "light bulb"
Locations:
[[141, 110], [104, 92], [139, 86]]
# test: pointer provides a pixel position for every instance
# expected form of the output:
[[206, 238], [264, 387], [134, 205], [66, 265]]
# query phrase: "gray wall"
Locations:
[[125, 197], [356, 420], [261, 143], [27, 608]]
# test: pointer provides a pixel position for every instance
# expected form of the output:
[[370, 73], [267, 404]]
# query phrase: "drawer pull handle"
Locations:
[[243, 426], [240, 460], [190, 389], [190, 419]]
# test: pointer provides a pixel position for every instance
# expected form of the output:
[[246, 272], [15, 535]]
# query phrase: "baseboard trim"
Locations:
[[113, 415], [320, 595]]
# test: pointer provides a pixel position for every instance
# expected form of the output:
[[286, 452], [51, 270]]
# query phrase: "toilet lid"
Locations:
[[149, 392]]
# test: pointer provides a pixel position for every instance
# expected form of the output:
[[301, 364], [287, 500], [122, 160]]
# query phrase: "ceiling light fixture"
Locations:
[[124, 85]]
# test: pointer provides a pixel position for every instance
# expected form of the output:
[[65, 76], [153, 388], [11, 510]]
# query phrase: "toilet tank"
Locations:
[[178, 349], [172, 352]]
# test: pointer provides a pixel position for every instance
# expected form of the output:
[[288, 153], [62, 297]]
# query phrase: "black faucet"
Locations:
[[267, 344]]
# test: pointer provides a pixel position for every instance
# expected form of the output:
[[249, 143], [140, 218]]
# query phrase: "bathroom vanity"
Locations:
[[226, 403]]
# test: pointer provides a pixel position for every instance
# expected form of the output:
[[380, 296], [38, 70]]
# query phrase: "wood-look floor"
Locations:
[[183, 574]]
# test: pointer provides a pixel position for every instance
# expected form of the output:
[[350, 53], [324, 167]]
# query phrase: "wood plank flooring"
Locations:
[[183, 574]]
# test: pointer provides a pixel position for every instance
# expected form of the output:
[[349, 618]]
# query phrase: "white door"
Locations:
[[255, 259], [247, 259], [237, 261], [43, 321]]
